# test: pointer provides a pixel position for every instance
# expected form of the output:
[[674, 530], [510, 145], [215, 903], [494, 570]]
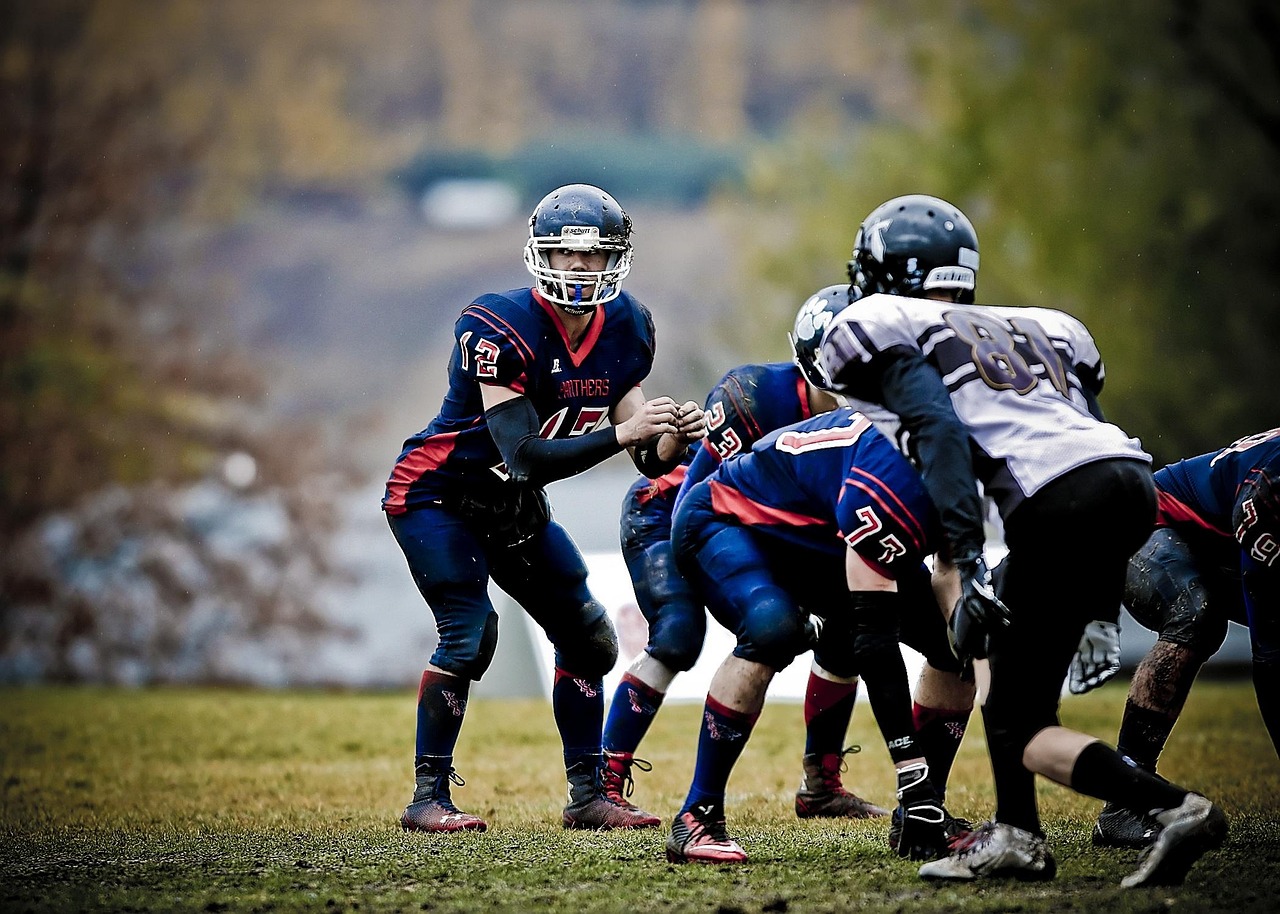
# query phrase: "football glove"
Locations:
[[1098, 658], [923, 836], [978, 612]]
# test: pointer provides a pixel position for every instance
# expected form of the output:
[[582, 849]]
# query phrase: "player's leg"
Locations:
[[730, 572], [942, 702], [450, 570], [547, 576], [1170, 591], [677, 626], [1090, 521]]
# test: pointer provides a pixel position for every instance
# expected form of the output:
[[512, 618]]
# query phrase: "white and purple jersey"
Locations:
[[1021, 381]]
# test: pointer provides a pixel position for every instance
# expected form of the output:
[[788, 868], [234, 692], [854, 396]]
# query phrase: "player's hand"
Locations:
[[978, 612], [1098, 658], [691, 423], [659, 416], [923, 836]]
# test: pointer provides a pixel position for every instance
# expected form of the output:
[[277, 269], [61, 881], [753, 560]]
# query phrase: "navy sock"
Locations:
[[938, 734], [631, 712], [1143, 734], [723, 736], [577, 702], [442, 702]]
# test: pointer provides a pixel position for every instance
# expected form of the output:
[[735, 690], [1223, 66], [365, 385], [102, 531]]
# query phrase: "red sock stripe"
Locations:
[[746, 717], [923, 714], [643, 688], [823, 694], [431, 677]]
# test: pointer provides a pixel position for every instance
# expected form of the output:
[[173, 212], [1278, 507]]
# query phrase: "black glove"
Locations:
[[978, 612], [923, 836]]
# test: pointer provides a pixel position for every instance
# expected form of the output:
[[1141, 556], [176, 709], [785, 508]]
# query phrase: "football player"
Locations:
[[1008, 397], [1212, 559], [748, 402], [544, 382], [822, 513]]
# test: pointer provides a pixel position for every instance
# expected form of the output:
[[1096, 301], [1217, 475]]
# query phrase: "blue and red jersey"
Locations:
[[746, 404], [830, 483], [1225, 501], [517, 340]]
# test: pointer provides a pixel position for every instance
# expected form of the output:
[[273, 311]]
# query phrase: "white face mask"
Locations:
[[576, 291]]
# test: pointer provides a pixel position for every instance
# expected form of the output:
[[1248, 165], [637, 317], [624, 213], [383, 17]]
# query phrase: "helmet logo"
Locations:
[[579, 237], [813, 319], [875, 238]]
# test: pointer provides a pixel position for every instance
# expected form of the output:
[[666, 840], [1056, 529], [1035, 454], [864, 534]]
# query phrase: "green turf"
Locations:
[[225, 800]]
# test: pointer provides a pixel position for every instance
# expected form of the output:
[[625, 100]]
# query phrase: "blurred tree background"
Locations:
[[215, 240]]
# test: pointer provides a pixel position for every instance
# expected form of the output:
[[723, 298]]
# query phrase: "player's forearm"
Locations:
[[531, 458]]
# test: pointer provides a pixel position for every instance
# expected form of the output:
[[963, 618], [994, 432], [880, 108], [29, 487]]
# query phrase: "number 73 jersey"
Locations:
[[1020, 379]]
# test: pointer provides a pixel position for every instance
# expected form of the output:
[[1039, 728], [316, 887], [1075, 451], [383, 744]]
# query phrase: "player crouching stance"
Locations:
[[823, 513]]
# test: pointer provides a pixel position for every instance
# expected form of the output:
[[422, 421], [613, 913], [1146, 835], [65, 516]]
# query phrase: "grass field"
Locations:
[[224, 800]]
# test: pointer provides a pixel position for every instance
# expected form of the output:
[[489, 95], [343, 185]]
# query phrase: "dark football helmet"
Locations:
[[579, 217], [915, 244], [812, 321]]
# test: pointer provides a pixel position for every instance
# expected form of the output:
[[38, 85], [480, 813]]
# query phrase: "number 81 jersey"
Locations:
[[1020, 379]]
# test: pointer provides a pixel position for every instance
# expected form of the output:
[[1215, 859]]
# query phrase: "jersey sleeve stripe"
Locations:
[[876, 489], [1171, 512], [508, 332]]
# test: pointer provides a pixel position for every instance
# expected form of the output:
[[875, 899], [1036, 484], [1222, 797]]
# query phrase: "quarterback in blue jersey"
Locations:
[[544, 382], [822, 513], [1211, 560], [1007, 397], [748, 402]]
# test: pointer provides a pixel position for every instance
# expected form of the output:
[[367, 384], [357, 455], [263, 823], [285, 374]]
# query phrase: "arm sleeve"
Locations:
[[530, 458], [912, 389]]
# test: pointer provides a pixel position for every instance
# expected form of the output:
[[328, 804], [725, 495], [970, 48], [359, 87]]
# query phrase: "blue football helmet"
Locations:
[[812, 321], [579, 217], [916, 244]]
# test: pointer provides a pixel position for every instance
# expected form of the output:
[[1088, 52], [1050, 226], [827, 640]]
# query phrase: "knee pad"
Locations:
[[590, 647], [1166, 592], [677, 635], [773, 634], [476, 666]]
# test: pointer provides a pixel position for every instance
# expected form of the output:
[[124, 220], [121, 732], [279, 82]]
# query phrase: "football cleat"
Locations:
[[699, 835], [432, 810], [591, 807], [1121, 827], [995, 849], [1187, 832], [439, 815], [823, 796]]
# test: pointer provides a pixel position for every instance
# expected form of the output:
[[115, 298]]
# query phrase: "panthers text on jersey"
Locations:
[[515, 340], [1020, 379], [829, 483]]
